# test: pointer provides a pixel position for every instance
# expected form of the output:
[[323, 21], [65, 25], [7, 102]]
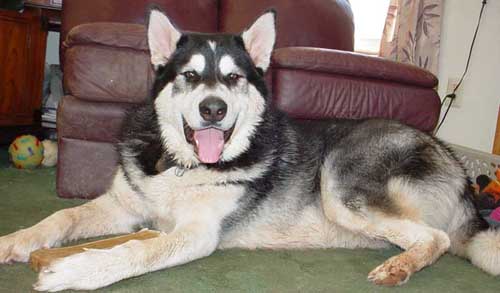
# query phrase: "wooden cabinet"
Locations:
[[22, 56]]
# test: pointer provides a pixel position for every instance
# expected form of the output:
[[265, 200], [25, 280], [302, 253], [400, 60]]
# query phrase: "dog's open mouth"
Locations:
[[208, 142]]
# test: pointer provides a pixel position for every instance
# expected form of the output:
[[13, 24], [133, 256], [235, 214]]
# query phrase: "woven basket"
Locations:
[[477, 162]]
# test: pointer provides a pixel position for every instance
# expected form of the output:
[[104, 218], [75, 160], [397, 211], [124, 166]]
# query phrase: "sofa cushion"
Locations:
[[91, 121], [85, 169]]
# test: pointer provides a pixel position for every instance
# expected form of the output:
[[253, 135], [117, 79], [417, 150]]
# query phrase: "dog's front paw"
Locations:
[[88, 270], [16, 247]]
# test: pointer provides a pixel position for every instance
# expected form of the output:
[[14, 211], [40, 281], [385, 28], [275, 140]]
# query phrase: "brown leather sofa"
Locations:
[[314, 73]]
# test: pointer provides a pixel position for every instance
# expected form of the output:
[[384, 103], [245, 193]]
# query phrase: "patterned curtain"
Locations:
[[412, 33]]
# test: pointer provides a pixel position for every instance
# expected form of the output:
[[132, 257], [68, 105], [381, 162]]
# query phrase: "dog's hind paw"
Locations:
[[392, 272]]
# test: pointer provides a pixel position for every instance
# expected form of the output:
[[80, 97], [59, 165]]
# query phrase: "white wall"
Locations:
[[52, 51], [473, 123]]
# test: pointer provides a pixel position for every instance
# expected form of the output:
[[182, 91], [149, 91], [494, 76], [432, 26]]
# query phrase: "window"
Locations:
[[369, 20]]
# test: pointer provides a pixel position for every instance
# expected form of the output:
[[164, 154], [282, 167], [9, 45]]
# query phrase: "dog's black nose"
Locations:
[[213, 109]]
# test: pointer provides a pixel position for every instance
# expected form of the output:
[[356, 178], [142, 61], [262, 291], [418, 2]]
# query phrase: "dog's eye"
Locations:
[[233, 77], [191, 76]]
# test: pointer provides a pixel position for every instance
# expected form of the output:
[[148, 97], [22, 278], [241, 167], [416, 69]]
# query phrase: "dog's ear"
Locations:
[[259, 39], [162, 37]]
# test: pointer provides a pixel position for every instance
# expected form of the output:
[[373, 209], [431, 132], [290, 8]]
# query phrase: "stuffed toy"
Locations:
[[488, 191]]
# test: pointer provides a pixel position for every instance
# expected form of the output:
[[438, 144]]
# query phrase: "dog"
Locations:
[[211, 164]]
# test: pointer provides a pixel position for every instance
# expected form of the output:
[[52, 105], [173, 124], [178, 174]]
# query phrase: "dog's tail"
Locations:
[[472, 237], [483, 250]]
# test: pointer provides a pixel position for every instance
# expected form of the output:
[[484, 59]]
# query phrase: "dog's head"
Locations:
[[209, 92]]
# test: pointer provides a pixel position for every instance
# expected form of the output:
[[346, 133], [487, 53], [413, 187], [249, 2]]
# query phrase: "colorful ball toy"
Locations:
[[26, 152]]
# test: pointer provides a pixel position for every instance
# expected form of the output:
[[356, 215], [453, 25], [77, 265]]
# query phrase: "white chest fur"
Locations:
[[199, 195]]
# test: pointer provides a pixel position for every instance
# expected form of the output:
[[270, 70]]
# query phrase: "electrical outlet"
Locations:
[[452, 83]]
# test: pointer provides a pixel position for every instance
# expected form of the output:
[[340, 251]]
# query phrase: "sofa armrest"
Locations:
[[112, 34], [351, 64], [108, 62], [313, 83]]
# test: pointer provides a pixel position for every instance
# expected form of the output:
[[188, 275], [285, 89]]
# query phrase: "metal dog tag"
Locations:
[[179, 171]]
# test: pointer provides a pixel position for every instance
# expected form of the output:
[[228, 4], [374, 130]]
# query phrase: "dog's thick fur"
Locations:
[[278, 183]]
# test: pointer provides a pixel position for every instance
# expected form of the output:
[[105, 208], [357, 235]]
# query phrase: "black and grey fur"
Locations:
[[278, 183]]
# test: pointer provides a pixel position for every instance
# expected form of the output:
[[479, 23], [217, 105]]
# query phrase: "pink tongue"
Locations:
[[210, 142]]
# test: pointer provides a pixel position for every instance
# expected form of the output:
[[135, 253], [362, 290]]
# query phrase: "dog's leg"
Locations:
[[98, 268], [104, 215], [422, 244], [197, 212]]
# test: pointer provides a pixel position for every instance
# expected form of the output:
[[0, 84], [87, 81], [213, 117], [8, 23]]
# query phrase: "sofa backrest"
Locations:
[[194, 15], [301, 23], [311, 23]]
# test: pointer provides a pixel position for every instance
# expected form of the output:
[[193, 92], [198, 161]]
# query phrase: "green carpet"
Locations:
[[28, 196]]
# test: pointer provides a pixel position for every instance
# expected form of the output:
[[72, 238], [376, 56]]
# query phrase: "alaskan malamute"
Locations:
[[211, 164]]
